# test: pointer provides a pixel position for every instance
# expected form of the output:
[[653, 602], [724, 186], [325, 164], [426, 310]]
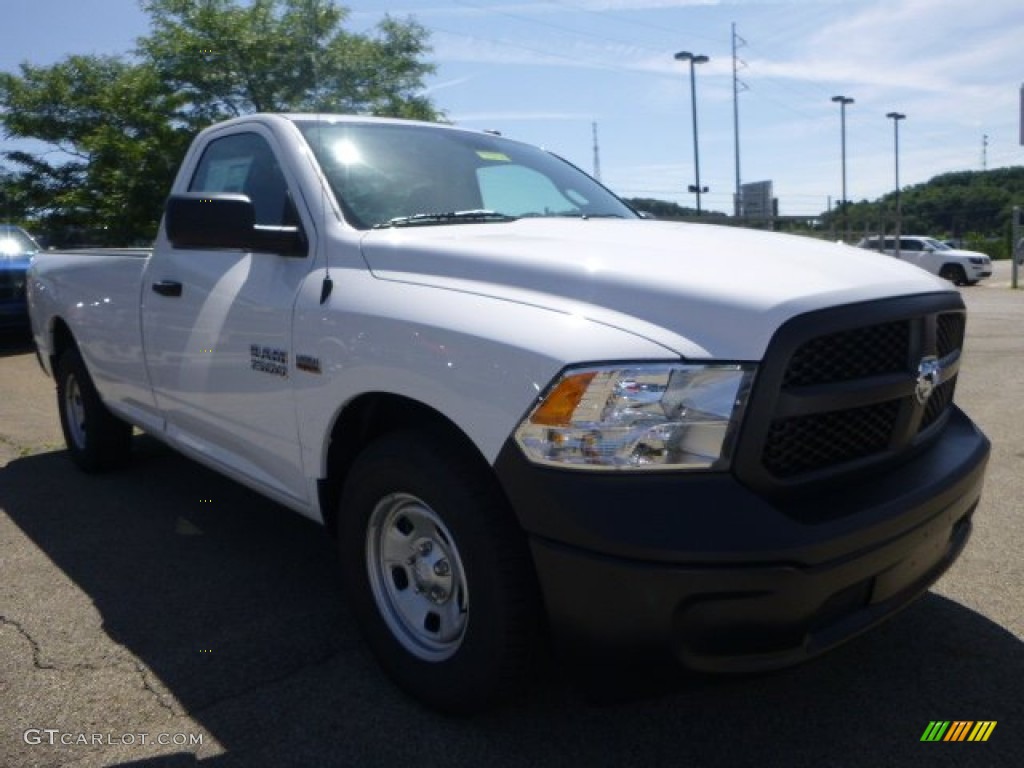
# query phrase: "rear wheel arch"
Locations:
[[96, 439], [61, 339]]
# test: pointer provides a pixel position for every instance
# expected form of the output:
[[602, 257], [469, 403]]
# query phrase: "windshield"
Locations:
[[388, 174], [938, 245]]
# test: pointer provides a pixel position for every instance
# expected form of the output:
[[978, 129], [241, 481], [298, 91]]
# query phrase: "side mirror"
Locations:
[[196, 220]]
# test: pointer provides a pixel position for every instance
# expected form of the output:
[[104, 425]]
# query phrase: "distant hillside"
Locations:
[[966, 204], [973, 206], [663, 209]]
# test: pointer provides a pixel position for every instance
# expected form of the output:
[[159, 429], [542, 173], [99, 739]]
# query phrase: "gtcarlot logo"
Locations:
[[56, 737]]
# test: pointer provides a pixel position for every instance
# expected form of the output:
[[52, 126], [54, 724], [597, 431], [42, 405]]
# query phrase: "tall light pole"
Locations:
[[694, 59], [842, 101], [896, 117]]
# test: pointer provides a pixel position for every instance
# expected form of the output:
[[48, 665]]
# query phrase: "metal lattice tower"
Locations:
[[737, 86]]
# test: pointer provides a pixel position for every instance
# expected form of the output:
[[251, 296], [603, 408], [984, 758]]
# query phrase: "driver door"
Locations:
[[217, 328]]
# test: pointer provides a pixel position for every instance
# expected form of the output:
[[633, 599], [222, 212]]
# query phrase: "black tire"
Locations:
[[95, 438], [438, 573], [954, 273]]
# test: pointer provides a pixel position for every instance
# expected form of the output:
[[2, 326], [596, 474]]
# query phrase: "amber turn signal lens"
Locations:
[[560, 404]]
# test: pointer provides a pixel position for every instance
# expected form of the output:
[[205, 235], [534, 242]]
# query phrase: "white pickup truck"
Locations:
[[524, 411]]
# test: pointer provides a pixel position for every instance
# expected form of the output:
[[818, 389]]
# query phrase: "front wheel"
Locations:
[[95, 438], [954, 273], [437, 572]]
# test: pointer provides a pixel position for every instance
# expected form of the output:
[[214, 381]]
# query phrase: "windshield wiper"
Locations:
[[422, 219], [572, 215]]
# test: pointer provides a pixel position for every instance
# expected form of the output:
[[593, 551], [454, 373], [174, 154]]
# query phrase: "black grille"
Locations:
[[808, 443], [840, 389], [848, 355], [949, 334], [937, 403]]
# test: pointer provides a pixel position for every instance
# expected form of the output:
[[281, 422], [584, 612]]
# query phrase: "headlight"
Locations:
[[658, 416]]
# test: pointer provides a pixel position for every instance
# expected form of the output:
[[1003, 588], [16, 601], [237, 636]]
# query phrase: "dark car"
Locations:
[[17, 247]]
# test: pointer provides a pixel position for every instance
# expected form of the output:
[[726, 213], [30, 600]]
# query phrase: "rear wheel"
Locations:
[[437, 572], [95, 438]]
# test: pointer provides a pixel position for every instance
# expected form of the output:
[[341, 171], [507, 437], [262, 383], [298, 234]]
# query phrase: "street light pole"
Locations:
[[694, 59], [842, 101], [896, 117]]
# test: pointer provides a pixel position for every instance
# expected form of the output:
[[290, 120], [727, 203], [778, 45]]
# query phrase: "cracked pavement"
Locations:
[[131, 605]]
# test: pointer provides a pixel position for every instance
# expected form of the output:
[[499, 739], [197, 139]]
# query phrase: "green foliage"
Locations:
[[995, 247], [116, 127], [975, 205], [663, 209], [105, 121], [227, 59]]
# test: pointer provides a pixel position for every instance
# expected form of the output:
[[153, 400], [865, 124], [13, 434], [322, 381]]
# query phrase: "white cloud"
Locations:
[[434, 87], [546, 7], [952, 66], [930, 45], [513, 116]]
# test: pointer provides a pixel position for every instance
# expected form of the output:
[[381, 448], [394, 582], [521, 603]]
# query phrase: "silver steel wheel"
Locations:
[[417, 577], [74, 411]]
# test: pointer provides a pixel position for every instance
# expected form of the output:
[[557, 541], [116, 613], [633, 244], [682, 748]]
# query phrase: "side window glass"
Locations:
[[245, 164]]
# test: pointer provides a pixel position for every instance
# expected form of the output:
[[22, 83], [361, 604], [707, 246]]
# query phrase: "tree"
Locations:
[[111, 152], [116, 127], [284, 55]]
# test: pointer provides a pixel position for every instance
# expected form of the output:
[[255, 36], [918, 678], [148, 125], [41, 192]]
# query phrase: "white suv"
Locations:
[[958, 266]]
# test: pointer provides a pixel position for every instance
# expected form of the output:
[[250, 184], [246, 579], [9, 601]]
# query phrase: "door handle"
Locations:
[[167, 288]]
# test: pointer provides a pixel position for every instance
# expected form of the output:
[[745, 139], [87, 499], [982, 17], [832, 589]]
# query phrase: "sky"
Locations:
[[558, 72]]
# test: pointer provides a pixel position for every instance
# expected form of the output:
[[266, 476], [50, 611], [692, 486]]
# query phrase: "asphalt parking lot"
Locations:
[[164, 616]]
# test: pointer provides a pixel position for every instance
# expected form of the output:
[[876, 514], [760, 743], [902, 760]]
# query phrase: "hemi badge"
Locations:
[[308, 363]]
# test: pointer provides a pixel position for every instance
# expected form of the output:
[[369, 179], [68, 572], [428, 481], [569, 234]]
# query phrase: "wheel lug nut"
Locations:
[[426, 547], [441, 568]]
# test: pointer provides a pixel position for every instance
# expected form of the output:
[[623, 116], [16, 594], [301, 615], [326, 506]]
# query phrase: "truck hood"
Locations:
[[701, 291]]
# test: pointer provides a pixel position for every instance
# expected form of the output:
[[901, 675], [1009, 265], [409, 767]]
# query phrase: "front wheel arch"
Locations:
[[367, 418]]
